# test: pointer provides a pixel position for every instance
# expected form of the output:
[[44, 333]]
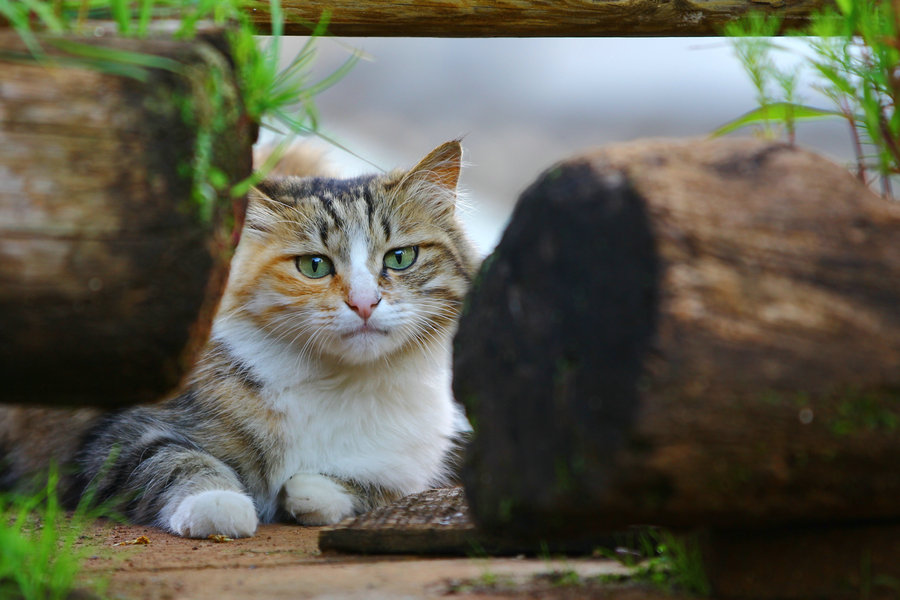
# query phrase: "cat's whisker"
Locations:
[[305, 353], [426, 336]]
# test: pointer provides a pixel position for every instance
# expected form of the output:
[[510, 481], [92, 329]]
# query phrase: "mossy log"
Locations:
[[530, 18], [686, 334], [110, 269]]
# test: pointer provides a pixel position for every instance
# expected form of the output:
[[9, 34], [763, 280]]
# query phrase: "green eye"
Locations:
[[401, 258], [314, 266]]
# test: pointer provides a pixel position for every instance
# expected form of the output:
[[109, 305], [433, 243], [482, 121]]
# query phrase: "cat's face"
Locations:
[[355, 269]]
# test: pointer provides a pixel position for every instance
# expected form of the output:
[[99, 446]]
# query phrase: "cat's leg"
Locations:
[[203, 497], [211, 512], [314, 499], [180, 488]]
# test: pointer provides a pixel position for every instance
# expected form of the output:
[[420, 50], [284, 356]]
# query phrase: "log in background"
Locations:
[[108, 275]]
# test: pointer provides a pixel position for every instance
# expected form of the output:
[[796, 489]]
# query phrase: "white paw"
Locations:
[[314, 499], [215, 512]]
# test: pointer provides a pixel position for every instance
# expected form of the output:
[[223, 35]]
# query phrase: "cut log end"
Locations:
[[566, 311]]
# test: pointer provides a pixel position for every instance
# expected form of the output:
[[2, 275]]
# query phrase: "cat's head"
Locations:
[[355, 269]]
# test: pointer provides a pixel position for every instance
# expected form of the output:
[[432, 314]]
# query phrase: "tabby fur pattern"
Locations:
[[317, 397]]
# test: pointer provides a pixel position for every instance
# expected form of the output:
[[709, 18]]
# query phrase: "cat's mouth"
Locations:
[[364, 329]]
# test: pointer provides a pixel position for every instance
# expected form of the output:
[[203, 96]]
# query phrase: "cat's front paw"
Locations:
[[215, 512], [314, 499]]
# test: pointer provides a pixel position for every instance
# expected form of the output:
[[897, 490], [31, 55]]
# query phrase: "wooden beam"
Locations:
[[530, 18]]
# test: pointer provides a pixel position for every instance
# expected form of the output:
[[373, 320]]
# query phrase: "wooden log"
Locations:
[[109, 270], [696, 334], [530, 18]]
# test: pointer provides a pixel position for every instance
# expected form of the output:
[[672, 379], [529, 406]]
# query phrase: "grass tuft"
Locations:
[[850, 56], [673, 563], [40, 557]]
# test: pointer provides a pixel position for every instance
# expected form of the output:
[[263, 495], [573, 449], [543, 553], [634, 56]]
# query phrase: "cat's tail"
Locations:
[[301, 159], [37, 443]]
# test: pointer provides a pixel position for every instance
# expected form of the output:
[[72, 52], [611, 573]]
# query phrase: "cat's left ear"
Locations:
[[436, 176]]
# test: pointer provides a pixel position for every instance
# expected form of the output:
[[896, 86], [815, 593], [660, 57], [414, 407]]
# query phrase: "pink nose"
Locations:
[[363, 304]]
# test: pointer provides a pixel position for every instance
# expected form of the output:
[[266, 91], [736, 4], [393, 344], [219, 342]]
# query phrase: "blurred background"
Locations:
[[521, 105]]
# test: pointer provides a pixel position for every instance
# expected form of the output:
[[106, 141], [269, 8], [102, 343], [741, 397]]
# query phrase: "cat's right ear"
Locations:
[[436, 177], [441, 167]]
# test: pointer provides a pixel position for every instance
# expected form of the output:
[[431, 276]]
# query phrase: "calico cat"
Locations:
[[324, 389]]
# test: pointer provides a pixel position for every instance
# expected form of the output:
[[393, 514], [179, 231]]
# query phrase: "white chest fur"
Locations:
[[392, 429], [389, 424]]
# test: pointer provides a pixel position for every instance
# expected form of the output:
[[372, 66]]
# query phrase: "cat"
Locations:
[[324, 389]]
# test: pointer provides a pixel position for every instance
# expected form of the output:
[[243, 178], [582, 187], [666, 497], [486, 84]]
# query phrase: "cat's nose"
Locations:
[[363, 304]]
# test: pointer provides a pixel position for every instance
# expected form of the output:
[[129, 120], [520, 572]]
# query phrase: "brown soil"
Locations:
[[284, 561]]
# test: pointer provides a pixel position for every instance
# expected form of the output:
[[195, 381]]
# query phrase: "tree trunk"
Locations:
[[529, 18], [764, 319], [110, 268]]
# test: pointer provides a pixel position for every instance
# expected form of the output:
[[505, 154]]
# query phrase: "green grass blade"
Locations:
[[18, 18], [321, 28], [121, 14], [112, 68], [272, 53], [116, 55], [295, 126], [13, 13], [276, 17], [145, 13], [780, 111], [334, 142], [242, 187], [838, 80], [44, 11], [334, 77], [845, 6], [304, 57]]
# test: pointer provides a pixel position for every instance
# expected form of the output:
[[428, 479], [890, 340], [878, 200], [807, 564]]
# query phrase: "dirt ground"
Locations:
[[284, 561]]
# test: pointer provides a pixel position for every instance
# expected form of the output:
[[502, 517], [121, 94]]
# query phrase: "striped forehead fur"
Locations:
[[393, 203]]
